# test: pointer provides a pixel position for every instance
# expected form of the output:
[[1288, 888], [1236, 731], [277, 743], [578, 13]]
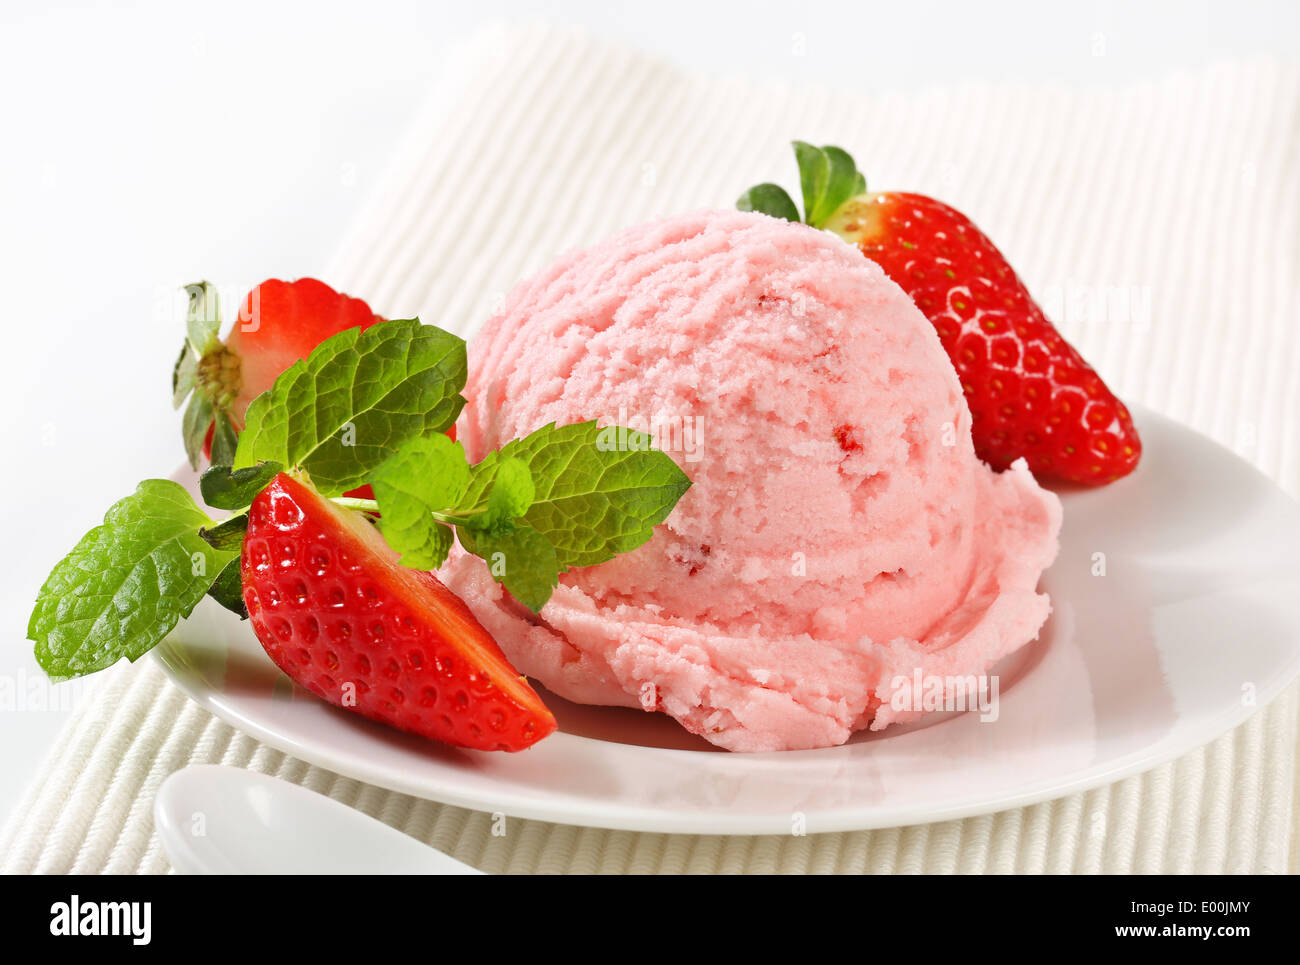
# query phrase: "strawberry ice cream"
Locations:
[[839, 536]]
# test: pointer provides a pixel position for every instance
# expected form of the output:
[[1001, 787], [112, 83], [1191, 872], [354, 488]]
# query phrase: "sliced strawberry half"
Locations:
[[279, 323], [337, 613]]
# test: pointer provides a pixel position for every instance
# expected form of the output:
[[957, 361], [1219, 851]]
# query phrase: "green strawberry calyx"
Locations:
[[828, 177], [208, 375], [364, 408]]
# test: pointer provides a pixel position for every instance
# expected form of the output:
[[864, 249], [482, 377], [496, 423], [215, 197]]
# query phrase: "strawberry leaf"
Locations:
[[769, 199], [827, 176], [225, 440], [351, 404], [203, 319], [842, 183], [226, 488], [814, 174], [126, 584], [227, 535], [194, 426], [184, 375], [228, 589]]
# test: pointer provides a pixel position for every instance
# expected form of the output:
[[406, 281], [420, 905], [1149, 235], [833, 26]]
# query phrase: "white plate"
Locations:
[[1192, 628]]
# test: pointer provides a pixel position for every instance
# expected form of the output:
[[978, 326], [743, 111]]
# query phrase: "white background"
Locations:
[[148, 145]]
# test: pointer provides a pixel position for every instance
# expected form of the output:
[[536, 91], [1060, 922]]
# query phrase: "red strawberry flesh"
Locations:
[[281, 322], [1030, 392], [337, 613]]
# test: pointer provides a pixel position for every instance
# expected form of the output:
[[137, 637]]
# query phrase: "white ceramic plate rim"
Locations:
[[574, 809]]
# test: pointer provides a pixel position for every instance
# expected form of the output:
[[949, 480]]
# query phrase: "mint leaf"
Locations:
[[436, 550], [126, 583], [594, 496], [521, 558], [427, 475], [348, 406], [814, 174], [511, 495], [226, 488], [769, 199], [228, 589]]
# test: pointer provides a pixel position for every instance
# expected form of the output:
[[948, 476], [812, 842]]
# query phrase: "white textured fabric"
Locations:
[[1160, 223]]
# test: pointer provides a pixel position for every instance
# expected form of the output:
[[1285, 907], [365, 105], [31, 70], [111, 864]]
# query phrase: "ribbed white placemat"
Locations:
[[1160, 223]]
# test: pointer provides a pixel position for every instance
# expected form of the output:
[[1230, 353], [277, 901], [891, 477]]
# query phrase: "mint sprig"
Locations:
[[557, 498], [593, 499], [126, 583], [512, 494], [519, 557], [422, 491], [363, 407], [348, 406], [129, 581], [828, 177], [414, 488]]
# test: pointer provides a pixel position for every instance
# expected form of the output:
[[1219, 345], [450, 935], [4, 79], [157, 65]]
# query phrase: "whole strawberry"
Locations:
[[337, 613], [1031, 395]]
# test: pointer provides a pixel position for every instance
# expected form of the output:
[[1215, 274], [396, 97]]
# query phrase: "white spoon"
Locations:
[[226, 820]]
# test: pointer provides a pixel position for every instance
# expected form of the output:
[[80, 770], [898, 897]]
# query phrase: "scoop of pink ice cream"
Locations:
[[839, 534]]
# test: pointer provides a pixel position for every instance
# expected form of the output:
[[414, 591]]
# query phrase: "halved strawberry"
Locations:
[[337, 613], [279, 322], [1030, 392]]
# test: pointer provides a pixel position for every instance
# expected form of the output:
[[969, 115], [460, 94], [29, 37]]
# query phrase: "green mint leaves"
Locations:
[[129, 581], [126, 584], [520, 558], [364, 407], [594, 497], [827, 178], [425, 477], [349, 405], [555, 499]]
